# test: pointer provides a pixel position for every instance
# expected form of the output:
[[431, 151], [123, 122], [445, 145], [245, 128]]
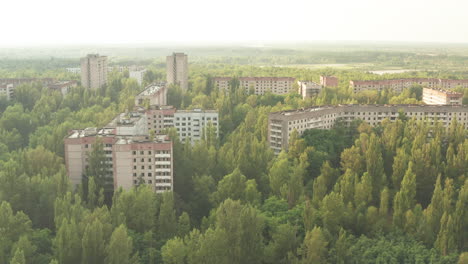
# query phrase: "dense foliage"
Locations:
[[397, 193]]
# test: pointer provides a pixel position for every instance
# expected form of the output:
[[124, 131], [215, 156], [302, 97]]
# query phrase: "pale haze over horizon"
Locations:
[[58, 22]]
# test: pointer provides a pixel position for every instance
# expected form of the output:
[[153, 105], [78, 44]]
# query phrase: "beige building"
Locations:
[[177, 70], [258, 85], [159, 118], [328, 81], [308, 89], [130, 160], [398, 85], [441, 97], [282, 124], [94, 71], [64, 87], [154, 94]]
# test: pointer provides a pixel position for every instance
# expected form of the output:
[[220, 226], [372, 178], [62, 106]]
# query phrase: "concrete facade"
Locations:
[[155, 94], [177, 70], [441, 97], [130, 160], [397, 85], [94, 71], [192, 123], [282, 124], [138, 75], [63, 87], [159, 118], [308, 89], [328, 81], [7, 91], [257, 85]]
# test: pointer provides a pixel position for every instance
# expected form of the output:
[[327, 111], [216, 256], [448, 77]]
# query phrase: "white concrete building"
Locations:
[[73, 70], [192, 123], [7, 91], [138, 75], [308, 89]]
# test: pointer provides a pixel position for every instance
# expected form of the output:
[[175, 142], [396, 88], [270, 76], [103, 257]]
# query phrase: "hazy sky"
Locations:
[[31, 22]]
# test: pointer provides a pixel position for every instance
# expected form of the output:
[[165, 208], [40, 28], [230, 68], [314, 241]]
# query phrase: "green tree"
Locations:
[[120, 247], [93, 243], [18, 258], [405, 198], [315, 247]]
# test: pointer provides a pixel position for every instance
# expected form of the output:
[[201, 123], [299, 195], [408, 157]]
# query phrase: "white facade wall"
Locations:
[[191, 124]]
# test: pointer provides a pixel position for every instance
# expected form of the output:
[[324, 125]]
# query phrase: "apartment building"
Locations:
[[159, 118], [18, 81], [154, 94], [177, 70], [94, 71], [281, 124], [122, 69], [64, 87], [328, 81], [192, 123], [138, 75], [73, 70], [308, 89], [398, 85], [7, 91], [258, 85], [130, 160], [441, 97]]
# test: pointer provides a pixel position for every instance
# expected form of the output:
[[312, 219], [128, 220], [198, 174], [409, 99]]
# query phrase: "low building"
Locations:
[[18, 81], [73, 70], [7, 91], [133, 123], [192, 124], [441, 97], [398, 85], [130, 160], [328, 81], [138, 75], [64, 87], [282, 124], [154, 94], [308, 89], [258, 85]]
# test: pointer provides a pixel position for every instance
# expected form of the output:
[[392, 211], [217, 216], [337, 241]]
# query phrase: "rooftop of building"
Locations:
[[125, 119], [142, 139], [197, 110], [152, 89], [323, 107], [448, 92], [108, 132]]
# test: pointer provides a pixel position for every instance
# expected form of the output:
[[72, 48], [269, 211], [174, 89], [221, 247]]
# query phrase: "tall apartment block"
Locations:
[[177, 70], [328, 81], [441, 97], [132, 156], [154, 94], [397, 85], [192, 123], [259, 85], [282, 124], [94, 71], [308, 89]]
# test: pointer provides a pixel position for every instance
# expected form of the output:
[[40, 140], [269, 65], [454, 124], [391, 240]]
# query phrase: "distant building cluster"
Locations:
[[398, 85], [8, 85], [258, 85], [433, 96], [137, 150], [138, 75], [282, 124]]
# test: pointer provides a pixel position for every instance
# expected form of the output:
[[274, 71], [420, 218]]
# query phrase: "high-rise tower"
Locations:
[[177, 70], [93, 71]]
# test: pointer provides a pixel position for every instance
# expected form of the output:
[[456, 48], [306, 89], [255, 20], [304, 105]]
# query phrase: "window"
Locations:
[[86, 146]]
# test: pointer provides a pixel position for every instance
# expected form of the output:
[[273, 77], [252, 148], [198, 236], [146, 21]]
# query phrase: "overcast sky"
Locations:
[[33, 22]]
